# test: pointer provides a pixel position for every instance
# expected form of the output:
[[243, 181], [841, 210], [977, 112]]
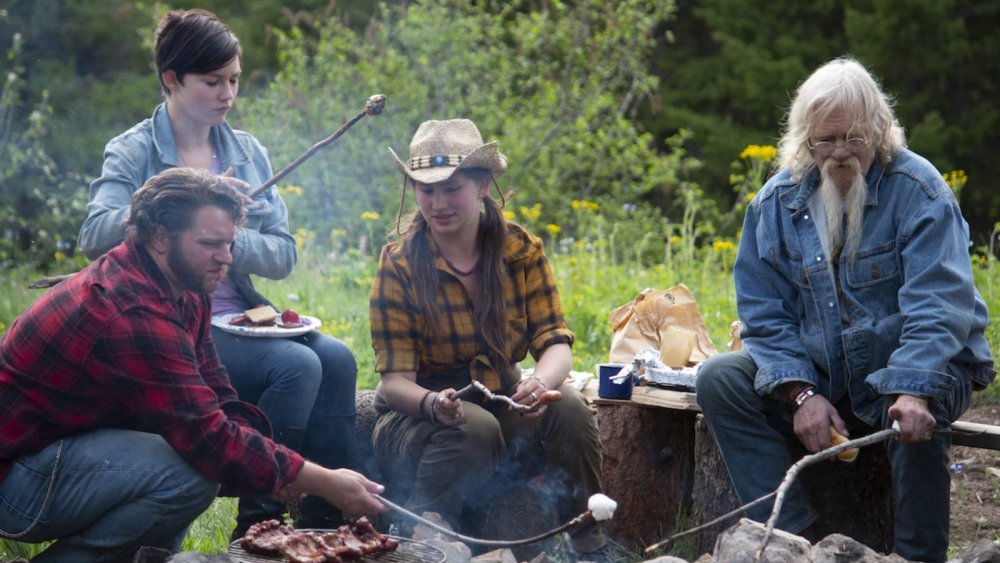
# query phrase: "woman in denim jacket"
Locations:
[[854, 286], [306, 384]]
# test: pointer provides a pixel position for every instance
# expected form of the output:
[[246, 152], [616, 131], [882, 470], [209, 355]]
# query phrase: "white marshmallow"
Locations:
[[601, 507]]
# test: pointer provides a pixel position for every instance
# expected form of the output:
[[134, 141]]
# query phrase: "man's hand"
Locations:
[[916, 423], [813, 420], [351, 491], [348, 490]]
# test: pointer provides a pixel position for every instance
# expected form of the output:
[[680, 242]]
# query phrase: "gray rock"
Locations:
[[668, 559], [838, 548], [983, 551], [454, 552], [496, 556], [739, 543]]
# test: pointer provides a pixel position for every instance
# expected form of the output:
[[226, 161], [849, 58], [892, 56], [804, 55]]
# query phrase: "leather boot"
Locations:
[[258, 509], [332, 446]]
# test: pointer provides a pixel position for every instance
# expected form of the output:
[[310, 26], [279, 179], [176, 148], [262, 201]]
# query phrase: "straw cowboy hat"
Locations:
[[439, 148]]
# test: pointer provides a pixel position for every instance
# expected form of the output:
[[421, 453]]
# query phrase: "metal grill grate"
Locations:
[[409, 551]]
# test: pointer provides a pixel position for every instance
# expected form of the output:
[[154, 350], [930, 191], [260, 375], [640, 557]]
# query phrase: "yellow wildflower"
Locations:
[[302, 237], [554, 229], [760, 152], [531, 213], [509, 215], [721, 245], [59, 256], [674, 239], [370, 216], [750, 196], [290, 190]]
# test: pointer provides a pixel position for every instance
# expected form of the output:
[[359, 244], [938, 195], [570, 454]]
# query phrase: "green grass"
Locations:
[[593, 280]]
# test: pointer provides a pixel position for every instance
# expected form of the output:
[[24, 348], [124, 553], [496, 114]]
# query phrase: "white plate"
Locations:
[[308, 323]]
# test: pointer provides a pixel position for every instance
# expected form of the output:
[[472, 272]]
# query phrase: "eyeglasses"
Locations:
[[826, 148]]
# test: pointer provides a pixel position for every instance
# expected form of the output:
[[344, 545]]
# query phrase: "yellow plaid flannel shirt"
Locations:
[[403, 342]]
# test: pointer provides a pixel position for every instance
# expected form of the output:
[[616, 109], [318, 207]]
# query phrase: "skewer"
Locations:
[[579, 519], [490, 395]]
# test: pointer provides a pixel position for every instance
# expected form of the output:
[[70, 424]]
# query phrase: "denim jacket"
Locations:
[[908, 306], [263, 247]]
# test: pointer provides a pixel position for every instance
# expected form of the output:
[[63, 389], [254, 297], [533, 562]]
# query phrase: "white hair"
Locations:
[[841, 84]]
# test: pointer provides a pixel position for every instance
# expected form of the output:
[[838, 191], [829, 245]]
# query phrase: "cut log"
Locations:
[[853, 499], [712, 494], [647, 468]]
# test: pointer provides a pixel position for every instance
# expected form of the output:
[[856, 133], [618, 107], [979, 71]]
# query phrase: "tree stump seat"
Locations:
[[662, 466]]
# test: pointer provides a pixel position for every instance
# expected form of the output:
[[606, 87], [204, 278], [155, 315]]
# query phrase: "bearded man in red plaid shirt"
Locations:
[[117, 422]]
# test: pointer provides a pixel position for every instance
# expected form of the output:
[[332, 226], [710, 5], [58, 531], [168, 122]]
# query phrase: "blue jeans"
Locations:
[[115, 491], [306, 383], [758, 444]]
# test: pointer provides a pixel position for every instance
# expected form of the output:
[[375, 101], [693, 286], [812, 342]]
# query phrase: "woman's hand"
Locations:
[[239, 186], [529, 392], [446, 410]]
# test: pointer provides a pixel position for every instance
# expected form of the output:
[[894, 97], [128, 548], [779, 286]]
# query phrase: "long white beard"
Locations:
[[844, 213]]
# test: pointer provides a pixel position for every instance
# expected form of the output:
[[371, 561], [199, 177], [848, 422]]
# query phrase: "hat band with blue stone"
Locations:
[[435, 161]]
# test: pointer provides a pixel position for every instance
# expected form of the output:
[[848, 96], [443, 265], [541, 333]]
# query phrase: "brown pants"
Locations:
[[430, 467]]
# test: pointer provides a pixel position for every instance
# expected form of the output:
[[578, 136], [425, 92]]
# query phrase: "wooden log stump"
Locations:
[[647, 468], [854, 499], [712, 494]]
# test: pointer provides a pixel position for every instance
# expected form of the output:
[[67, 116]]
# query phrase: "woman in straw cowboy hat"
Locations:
[[464, 295]]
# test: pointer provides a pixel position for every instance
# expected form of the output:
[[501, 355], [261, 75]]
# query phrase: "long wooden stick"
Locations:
[[373, 106], [783, 488], [808, 460], [581, 518]]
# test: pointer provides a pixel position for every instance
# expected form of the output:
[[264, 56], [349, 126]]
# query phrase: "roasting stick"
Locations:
[[477, 386], [598, 509], [783, 488], [375, 105], [709, 524], [793, 471]]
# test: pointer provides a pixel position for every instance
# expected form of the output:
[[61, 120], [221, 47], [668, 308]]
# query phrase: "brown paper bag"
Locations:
[[644, 323]]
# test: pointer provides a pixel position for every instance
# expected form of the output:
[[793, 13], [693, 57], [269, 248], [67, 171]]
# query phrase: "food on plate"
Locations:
[[837, 438], [346, 543], [261, 314], [290, 319]]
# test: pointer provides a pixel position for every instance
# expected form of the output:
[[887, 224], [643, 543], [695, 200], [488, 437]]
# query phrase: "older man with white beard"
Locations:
[[855, 290]]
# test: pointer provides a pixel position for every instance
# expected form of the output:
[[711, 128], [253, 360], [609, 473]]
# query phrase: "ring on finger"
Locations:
[[926, 437], [534, 396]]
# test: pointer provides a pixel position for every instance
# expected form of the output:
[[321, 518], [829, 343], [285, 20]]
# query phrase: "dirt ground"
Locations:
[[975, 492]]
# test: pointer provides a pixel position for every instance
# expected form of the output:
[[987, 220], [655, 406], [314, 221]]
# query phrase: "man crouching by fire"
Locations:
[[117, 421]]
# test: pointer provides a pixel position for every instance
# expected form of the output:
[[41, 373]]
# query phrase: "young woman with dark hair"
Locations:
[[305, 384], [464, 296]]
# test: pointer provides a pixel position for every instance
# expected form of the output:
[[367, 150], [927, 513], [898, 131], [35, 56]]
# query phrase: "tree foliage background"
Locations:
[[638, 105]]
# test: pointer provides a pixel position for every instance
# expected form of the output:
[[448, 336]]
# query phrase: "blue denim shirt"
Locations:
[[263, 247], [907, 307]]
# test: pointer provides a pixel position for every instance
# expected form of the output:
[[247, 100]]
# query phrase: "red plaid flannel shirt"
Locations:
[[110, 348]]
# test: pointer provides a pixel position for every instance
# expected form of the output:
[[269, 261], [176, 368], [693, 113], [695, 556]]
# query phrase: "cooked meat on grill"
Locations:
[[346, 543]]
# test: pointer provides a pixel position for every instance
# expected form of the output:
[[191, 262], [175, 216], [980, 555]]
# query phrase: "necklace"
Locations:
[[463, 273]]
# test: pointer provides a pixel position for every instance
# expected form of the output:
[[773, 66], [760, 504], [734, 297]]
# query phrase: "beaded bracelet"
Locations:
[[434, 416], [423, 413]]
